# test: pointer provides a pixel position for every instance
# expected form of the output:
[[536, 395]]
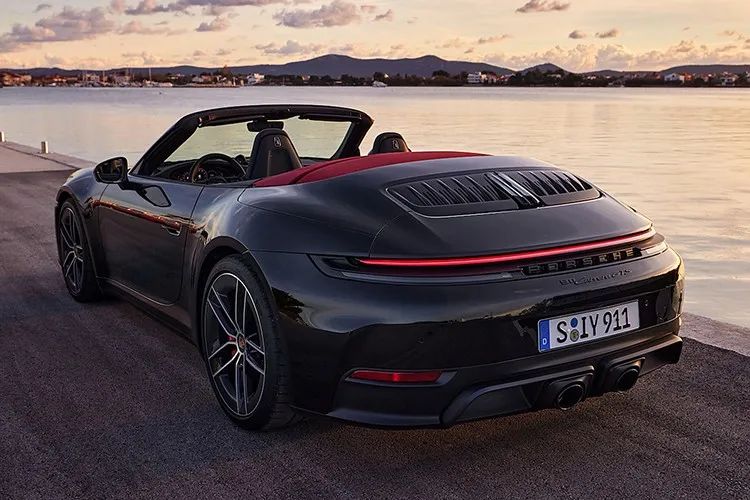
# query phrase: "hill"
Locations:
[[336, 65], [333, 65], [703, 69], [544, 68]]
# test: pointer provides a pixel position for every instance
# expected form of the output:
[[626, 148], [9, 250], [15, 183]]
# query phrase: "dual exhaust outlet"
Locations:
[[566, 393]]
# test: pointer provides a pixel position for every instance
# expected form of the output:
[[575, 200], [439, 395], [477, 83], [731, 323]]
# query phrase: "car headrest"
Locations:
[[273, 153], [389, 142]]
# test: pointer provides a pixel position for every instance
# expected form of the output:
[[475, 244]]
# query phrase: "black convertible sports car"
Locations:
[[396, 289]]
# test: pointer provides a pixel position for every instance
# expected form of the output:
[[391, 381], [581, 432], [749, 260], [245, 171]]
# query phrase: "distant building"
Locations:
[[15, 80], [490, 77], [475, 78], [255, 79], [482, 77], [674, 78], [121, 80], [728, 80]]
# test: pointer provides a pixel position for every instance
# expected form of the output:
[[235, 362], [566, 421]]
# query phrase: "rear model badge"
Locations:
[[593, 279]]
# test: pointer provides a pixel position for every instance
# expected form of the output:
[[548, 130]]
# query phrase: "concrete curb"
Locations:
[[60, 159], [717, 333]]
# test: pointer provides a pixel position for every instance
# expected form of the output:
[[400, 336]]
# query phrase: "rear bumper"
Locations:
[[482, 336], [506, 388]]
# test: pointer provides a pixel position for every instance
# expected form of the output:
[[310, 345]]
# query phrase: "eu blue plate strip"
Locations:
[[544, 335]]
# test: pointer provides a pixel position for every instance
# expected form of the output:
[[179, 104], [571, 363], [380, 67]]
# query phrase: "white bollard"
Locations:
[[2, 136], [45, 148]]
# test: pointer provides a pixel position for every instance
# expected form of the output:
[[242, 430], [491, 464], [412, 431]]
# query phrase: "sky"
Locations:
[[579, 35]]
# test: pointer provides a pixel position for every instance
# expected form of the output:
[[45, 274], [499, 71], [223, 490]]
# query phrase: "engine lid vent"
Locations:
[[555, 187], [491, 191]]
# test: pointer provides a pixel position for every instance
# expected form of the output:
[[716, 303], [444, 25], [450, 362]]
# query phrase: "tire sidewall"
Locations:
[[241, 268], [89, 286]]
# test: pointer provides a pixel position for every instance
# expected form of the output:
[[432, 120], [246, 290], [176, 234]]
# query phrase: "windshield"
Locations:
[[315, 140]]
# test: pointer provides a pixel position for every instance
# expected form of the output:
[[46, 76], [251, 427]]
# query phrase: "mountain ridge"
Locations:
[[333, 65], [336, 65]]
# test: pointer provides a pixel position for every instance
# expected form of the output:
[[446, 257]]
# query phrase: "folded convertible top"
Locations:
[[343, 166]]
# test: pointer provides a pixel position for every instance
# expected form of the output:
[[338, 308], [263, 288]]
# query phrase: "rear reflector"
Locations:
[[396, 377], [511, 257]]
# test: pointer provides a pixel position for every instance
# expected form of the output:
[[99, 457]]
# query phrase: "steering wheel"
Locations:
[[195, 169]]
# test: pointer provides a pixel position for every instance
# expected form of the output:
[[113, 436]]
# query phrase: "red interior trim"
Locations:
[[343, 166], [511, 257]]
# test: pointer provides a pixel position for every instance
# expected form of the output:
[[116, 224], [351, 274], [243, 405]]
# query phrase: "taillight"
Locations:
[[397, 377], [511, 257]]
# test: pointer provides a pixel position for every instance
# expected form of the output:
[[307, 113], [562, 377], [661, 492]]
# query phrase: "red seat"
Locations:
[[343, 166]]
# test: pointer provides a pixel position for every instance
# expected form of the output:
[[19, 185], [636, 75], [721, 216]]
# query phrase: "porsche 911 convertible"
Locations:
[[393, 289]]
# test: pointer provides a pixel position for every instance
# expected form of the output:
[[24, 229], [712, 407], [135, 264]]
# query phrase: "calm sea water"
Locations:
[[680, 156]]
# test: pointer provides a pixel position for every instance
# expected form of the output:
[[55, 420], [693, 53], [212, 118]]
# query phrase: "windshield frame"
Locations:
[[181, 131]]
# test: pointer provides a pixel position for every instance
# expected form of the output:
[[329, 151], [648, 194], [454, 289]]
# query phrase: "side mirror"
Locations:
[[112, 171]]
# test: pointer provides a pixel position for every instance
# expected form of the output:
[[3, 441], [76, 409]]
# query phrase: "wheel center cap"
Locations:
[[241, 343]]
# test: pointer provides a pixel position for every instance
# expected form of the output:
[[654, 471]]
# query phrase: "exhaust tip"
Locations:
[[570, 396], [627, 379]]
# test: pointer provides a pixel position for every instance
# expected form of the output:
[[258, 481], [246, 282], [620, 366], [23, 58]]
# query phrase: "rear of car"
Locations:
[[489, 286]]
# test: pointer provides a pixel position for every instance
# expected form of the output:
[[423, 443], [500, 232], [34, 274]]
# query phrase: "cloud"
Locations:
[[117, 6], [216, 10], [733, 34], [492, 39], [66, 62], [67, 25], [337, 13], [199, 53], [368, 9], [143, 59], [137, 28], [217, 24], [388, 15], [543, 6], [613, 33], [41, 7], [587, 57], [224, 52], [210, 7], [577, 35], [291, 47], [146, 7], [454, 43]]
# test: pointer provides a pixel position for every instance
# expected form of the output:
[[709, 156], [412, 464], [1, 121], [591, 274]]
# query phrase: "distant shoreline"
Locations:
[[229, 87]]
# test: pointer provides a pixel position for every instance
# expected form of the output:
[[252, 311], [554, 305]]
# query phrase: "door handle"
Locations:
[[172, 231]]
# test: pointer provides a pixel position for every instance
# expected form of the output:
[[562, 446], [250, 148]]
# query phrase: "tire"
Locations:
[[242, 347], [76, 261]]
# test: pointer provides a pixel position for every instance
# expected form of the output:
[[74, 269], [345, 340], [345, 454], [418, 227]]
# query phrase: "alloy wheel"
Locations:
[[71, 243], [233, 341]]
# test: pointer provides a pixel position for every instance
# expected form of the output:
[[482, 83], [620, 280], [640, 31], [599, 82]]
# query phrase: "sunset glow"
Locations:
[[579, 35]]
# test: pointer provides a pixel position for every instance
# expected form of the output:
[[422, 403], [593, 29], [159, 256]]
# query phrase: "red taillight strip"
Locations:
[[511, 257], [396, 377]]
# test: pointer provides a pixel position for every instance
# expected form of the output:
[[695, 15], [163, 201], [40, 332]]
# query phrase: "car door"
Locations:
[[143, 226]]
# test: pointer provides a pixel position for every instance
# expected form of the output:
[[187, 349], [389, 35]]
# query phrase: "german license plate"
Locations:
[[565, 331]]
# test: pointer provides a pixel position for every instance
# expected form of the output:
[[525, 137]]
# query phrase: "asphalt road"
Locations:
[[102, 401]]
